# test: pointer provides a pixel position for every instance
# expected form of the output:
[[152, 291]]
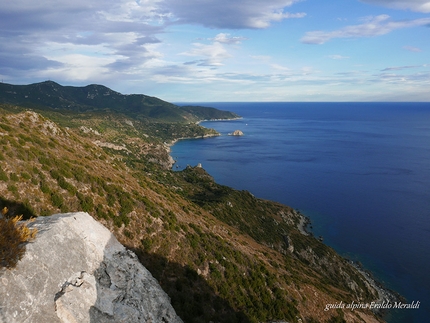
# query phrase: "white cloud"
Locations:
[[230, 14], [412, 49], [338, 57], [414, 5], [127, 32], [210, 55], [399, 68], [227, 39], [48, 33], [78, 67], [373, 26], [264, 58]]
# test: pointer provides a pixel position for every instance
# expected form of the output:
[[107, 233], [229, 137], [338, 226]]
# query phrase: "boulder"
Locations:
[[236, 133], [76, 271]]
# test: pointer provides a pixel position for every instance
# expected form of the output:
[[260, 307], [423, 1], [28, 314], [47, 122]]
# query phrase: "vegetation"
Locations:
[[14, 236], [222, 255], [97, 98]]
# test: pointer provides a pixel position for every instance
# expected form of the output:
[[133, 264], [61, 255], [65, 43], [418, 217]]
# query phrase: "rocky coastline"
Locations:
[[200, 121], [385, 295], [305, 227], [168, 145]]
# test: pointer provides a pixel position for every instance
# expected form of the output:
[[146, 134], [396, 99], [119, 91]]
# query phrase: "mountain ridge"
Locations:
[[99, 98]]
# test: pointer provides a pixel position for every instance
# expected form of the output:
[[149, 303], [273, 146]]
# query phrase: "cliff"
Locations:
[[77, 271]]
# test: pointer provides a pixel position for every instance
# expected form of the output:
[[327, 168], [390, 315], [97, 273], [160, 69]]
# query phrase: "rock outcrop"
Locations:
[[76, 271], [236, 133]]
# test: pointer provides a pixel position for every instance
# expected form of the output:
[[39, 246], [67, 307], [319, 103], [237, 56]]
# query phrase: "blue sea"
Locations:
[[359, 171]]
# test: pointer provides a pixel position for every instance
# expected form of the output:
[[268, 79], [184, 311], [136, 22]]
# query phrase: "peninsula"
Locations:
[[221, 255]]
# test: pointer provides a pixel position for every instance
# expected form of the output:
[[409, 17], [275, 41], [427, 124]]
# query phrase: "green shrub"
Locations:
[[128, 234], [110, 198], [44, 187], [66, 185], [100, 212], [3, 175], [147, 244], [57, 200], [44, 161], [86, 202], [13, 177], [5, 127], [25, 175], [12, 188]]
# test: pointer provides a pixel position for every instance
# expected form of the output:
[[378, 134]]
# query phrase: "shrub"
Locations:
[[13, 177], [3, 175], [110, 199], [86, 202], [14, 236], [128, 234], [12, 188], [25, 175], [66, 185], [44, 187], [5, 127], [57, 199], [147, 244]]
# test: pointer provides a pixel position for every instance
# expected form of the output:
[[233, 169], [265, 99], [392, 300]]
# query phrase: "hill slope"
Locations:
[[221, 255], [93, 98]]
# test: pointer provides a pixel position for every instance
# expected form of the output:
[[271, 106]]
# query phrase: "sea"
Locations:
[[359, 171]]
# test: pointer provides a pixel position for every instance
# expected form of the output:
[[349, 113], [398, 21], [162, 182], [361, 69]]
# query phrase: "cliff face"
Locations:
[[76, 271]]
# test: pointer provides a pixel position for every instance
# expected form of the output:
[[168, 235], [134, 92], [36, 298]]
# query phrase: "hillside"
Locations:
[[98, 98], [221, 255]]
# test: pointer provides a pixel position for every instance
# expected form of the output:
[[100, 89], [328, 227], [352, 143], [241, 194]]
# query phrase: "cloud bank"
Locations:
[[414, 5], [61, 37], [373, 26], [230, 14]]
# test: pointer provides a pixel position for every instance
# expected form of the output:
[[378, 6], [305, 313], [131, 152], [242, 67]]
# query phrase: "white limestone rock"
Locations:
[[236, 133], [77, 272]]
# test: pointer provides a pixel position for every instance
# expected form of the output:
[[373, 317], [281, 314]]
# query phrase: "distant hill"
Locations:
[[96, 98]]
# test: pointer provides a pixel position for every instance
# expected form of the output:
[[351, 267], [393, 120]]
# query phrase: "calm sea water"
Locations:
[[360, 171]]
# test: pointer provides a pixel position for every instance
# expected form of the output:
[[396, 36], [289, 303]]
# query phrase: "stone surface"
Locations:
[[236, 133], [76, 271]]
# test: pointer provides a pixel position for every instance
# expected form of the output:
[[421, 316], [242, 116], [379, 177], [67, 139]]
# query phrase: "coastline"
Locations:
[[200, 121], [167, 145], [402, 271], [385, 295], [174, 141]]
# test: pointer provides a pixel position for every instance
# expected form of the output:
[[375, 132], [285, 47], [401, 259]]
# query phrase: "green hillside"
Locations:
[[222, 255], [96, 98]]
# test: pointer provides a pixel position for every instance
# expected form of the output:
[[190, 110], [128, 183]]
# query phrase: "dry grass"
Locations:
[[14, 236]]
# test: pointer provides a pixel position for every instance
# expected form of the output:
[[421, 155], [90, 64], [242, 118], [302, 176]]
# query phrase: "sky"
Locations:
[[223, 50]]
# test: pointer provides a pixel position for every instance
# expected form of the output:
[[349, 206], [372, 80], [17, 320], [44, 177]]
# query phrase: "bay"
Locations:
[[360, 171]]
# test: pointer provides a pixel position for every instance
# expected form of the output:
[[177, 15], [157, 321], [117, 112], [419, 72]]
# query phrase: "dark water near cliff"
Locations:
[[360, 171]]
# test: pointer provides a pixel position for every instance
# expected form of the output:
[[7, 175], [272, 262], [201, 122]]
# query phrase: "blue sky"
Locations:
[[223, 50]]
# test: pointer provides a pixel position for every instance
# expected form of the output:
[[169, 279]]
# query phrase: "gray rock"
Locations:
[[76, 271], [236, 133]]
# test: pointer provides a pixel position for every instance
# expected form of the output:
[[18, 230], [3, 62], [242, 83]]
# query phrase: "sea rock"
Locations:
[[76, 271], [236, 133]]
